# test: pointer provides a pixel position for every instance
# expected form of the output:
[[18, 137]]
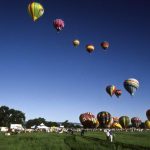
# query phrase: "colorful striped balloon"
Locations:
[[111, 89], [104, 119], [88, 120], [35, 10], [124, 121], [116, 119], [136, 122], [131, 85]]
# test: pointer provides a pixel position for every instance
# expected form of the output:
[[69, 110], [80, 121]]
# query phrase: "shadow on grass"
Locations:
[[116, 145]]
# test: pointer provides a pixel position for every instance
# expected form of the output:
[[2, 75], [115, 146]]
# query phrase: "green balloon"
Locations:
[[124, 121]]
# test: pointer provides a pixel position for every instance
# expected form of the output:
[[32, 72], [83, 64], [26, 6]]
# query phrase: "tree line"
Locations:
[[11, 116]]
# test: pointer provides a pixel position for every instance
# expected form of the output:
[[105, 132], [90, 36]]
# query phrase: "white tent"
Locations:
[[33, 127], [43, 127], [3, 129], [16, 127]]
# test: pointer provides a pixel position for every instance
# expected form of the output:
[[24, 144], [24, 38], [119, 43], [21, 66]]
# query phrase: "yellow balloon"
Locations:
[[90, 48], [76, 43], [35, 10], [117, 125], [147, 124], [97, 123]]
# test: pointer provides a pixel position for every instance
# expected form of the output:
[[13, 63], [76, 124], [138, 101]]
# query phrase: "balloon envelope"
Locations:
[[90, 48], [116, 119], [111, 122], [76, 43], [118, 93], [88, 120], [124, 121], [116, 125], [131, 85], [110, 89], [148, 114], [104, 119], [147, 124], [58, 24], [136, 122], [35, 10], [105, 45]]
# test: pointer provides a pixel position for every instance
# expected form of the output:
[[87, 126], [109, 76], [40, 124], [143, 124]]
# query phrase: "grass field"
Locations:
[[90, 141]]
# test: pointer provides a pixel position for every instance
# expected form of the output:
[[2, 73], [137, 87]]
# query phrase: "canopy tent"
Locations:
[[16, 127], [43, 127]]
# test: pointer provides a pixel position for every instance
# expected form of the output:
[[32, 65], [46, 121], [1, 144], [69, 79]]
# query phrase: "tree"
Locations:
[[36, 121], [51, 124], [16, 116], [8, 116], [4, 116]]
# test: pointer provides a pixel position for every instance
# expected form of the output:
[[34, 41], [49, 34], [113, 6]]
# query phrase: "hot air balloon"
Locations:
[[105, 45], [131, 85], [111, 122], [116, 125], [35, 10], [58, 24], [76, 43], [104, 118], [90, 48], [148, 114], [116, 119], [136, 122], [118, 93], [88, 120], [147, 124], [124, 121], [110, 89], [97, 124]]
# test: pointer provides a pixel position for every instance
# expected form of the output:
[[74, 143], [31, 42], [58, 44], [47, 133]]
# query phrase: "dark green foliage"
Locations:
[[51, 124], [36, 121], [8, 116]]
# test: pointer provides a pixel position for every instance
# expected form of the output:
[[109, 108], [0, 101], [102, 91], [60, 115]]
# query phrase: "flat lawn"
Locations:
[[90, 141], [133, 138], [33, 141]]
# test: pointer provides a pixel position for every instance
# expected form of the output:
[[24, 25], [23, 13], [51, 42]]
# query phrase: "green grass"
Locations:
[[33, 141], [90, 141], [128, 139]]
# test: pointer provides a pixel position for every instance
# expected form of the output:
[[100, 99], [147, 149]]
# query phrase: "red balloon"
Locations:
[[105, 45], [88, 120], [59, 24], [136, 121], [118, 93], [111, 89]]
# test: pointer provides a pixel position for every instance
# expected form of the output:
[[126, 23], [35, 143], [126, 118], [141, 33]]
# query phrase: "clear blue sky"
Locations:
[[43, 75]]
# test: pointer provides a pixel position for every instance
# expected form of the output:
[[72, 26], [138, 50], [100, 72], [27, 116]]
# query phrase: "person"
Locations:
[[82, 132], [111, 136], [107, 135], [72, 131]]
